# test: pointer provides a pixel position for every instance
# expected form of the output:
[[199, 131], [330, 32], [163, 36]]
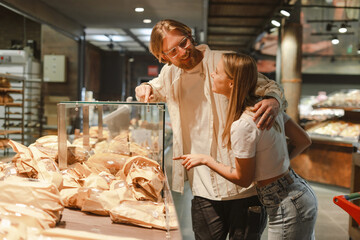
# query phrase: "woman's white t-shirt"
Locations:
[[267, 146]]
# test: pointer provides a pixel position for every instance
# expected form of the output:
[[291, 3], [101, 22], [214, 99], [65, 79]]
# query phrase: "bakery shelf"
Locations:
[[6, 132], [11, 104], [332, 140], [10, 90]]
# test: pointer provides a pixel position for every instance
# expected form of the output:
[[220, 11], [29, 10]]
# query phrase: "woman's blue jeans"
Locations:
[[291, 206]]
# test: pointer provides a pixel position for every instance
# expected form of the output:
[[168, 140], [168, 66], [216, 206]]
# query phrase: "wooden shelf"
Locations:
[[10, 90], [346, 108], [11, 104], [6, 132]]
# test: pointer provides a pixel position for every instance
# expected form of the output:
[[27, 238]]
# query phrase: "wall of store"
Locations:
[[16, 27], [55, 43], [92, 70], [118, 71]]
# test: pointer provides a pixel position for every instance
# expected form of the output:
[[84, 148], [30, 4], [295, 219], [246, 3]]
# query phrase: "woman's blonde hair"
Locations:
[[159, 32], [242, 70]]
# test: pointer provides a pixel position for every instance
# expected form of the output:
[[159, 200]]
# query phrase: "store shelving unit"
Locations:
[[22, 119]]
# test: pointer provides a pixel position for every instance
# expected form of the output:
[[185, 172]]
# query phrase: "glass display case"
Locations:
[[140, 126], [333, 124], [127, 130]]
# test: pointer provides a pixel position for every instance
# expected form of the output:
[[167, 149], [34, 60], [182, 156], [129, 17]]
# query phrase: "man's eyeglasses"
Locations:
[[184, 44]]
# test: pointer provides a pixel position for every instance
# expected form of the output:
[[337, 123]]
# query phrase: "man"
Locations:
[[198, 115]]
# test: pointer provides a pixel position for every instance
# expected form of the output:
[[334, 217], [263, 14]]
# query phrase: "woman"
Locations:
[[262, 156]]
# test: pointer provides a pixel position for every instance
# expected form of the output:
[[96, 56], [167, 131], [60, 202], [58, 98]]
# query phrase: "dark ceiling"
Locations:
[[235, 24], [223, 24]]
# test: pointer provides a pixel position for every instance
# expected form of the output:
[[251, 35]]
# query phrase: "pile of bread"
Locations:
[[115, 178], [350, 98], [4, 95], [337, 128]]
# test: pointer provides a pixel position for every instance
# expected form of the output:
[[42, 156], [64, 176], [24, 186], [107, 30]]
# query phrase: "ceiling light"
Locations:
[[275, 23], [358, 51], [141, 31], [139, 9], [285, 13], [343, 28], [335, 40], [100, 38], [120, 38], [147, 20]]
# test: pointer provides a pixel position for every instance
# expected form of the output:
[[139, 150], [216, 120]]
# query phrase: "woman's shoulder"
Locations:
[[245, 121]]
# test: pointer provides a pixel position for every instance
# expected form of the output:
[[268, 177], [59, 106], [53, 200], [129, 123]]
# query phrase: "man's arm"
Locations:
[[274, 100]]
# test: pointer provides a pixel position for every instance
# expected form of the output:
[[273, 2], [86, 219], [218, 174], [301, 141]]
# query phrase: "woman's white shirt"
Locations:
[[267, 146]]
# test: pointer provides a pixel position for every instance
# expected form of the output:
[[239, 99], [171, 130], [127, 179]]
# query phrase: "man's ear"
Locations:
[[231, 83], [163, 56]]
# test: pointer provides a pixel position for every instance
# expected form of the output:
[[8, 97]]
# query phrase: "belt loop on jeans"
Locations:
[[288, 178]]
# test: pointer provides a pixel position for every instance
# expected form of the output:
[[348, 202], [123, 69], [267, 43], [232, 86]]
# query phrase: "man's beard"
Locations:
[[194, 60]]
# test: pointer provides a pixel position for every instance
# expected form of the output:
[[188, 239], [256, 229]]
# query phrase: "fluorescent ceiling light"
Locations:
[[139, 9], [130, 44], [119, 38], [141, 31], [144, 38], [285, 13], [103, 31], [100, 38], [103, 38], [147, 20]]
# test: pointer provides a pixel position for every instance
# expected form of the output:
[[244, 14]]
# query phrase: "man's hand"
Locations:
[[193, 160], [144, 93], [267, 109]]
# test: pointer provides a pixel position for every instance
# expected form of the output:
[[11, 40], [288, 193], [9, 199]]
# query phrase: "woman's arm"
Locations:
[[299, 139], [243, 175]]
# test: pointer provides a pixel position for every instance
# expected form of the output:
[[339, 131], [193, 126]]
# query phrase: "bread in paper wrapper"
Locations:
[[30, 162], [100, 202], [106, 161], [144, 213], [145, 177], [40, 194], [23, 160], [29, 215]]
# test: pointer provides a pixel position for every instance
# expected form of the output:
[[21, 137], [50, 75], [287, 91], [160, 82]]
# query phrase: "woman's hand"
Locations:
[[193, 160], [267, 109]]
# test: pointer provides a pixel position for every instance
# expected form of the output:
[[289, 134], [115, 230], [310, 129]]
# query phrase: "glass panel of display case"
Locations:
[[118, 127]]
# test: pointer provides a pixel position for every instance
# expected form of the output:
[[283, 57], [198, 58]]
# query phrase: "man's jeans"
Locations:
[[292, 208], [240, 218]]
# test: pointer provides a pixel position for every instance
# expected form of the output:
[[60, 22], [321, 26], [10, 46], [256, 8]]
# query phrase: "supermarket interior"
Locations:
[[84, 156]]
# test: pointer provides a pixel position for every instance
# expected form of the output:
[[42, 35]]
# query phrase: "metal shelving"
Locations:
[[22, 119]]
